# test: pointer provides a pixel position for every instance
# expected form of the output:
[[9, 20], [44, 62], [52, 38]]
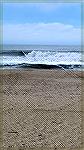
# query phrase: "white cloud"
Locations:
[[41, 33]]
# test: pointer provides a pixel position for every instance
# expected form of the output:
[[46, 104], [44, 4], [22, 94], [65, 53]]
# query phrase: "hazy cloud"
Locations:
[[41, 33]]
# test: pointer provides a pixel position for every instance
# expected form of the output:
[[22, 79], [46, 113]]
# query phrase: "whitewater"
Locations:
[[25, 58]]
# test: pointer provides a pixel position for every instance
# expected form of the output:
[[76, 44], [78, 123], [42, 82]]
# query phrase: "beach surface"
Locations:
[[42, 109]]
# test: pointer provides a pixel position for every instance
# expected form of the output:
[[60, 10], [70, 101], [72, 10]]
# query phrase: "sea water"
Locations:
[[41, 56]]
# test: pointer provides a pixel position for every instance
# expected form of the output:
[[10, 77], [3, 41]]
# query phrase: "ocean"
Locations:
[[41, 56]]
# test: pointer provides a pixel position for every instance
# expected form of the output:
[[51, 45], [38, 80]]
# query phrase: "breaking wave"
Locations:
[[41, 59]]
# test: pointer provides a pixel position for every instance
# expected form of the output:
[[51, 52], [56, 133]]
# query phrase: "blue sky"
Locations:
[[41, 23]]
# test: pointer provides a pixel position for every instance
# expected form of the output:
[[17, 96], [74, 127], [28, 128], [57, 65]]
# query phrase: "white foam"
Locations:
[[50, 58]]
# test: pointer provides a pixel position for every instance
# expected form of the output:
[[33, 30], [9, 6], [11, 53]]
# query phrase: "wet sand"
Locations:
[[41, 109]]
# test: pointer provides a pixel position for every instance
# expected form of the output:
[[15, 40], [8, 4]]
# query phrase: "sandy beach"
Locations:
[[42, 109]]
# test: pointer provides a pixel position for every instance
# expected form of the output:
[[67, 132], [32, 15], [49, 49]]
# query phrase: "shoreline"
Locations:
[[44, 66]]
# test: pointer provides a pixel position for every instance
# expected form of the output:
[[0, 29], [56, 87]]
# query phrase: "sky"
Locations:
[[42, 23]]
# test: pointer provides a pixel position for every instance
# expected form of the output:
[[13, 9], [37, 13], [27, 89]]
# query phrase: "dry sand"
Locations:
[[41, 109]]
